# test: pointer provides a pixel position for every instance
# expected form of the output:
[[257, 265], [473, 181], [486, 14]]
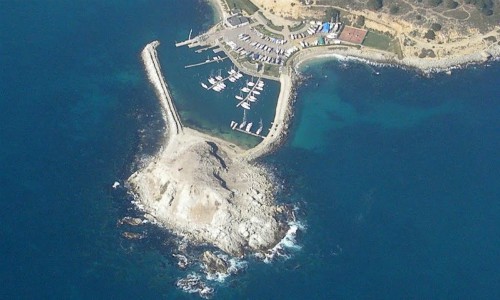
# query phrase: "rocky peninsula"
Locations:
[[204, 188]]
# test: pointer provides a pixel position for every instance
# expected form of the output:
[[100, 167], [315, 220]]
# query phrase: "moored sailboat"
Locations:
[[244, 122]]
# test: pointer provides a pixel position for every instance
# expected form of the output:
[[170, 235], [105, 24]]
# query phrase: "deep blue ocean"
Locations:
[[396, 175]]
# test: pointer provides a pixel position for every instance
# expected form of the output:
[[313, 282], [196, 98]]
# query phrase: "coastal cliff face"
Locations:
[[201, 188]]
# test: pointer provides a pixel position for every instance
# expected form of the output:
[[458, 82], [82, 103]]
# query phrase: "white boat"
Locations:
[[238, 75], [260, 83], [249, 126], [238, 97], [256, 92], [217, 88], [231, 72], [212, 80], [245, 105], [260, 127], [252, 98], [232, 79], [244, 122], [219, 77], [204, 85], [245, 90], [250, 83], [259, 88]]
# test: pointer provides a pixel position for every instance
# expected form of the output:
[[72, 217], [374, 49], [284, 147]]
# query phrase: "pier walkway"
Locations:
[[153, 69], [249, 93], [208, 61]]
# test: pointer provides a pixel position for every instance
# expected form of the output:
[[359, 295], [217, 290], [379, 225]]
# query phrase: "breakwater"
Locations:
[[153, 69]]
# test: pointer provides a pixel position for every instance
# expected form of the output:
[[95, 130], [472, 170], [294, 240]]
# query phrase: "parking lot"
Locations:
[[248, 41]]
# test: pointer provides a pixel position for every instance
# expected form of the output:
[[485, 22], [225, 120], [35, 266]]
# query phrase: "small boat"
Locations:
[[260, 127], [204, 85], [256, 92], [219, 77], [217, 88], [250, 83], [245, 105], [212, 80], [244, 121], [252, 98], [260, 83], [238, 75], [259, 88], [238, 97], [245, 90], [249, 126], [232, 79]]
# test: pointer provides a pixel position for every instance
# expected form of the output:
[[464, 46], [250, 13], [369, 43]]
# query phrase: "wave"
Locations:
[[286, 245], [192, 283]]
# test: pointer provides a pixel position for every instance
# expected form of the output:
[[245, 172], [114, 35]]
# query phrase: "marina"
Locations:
[[245, 102], [267, 50], [217, 82]]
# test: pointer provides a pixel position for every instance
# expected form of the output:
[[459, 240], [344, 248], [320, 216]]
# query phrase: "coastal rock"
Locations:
[[130, 221], [201, 188], [214, 264], [132, 235]]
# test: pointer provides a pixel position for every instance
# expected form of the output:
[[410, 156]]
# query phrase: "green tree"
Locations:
[[451, 4], [434, 3], [331, 13], [360, 21], [394, 9], [436, 26], [375, 4], [430, 34]]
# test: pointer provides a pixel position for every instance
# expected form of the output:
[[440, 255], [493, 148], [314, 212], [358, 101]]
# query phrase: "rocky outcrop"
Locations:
[[201, 188], [214, 264]]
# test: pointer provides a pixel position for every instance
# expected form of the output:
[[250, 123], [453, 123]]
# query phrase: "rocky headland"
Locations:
[[204, 188]]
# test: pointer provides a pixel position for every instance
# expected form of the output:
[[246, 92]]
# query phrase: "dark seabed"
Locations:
[[396, 175]]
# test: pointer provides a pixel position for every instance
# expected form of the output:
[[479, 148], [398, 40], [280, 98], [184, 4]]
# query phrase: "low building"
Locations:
[[236, 21]]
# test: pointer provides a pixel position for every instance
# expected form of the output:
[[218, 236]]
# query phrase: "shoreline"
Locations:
[[372, 55]]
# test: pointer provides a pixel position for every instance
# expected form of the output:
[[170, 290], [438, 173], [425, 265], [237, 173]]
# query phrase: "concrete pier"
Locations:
[[150, 58]]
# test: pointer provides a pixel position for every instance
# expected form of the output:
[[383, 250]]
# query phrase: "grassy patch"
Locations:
[[297, 27], [245, 5], [264, 31], [382, 42], [272, 70]]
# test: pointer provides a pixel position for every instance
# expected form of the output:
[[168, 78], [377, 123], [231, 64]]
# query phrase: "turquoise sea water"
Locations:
[[396, 175]]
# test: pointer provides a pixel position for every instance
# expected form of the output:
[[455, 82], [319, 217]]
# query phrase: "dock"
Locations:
[[215, 59], [248, 94], [220, 81], [249, 132], [204, 49], [187, 42]]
